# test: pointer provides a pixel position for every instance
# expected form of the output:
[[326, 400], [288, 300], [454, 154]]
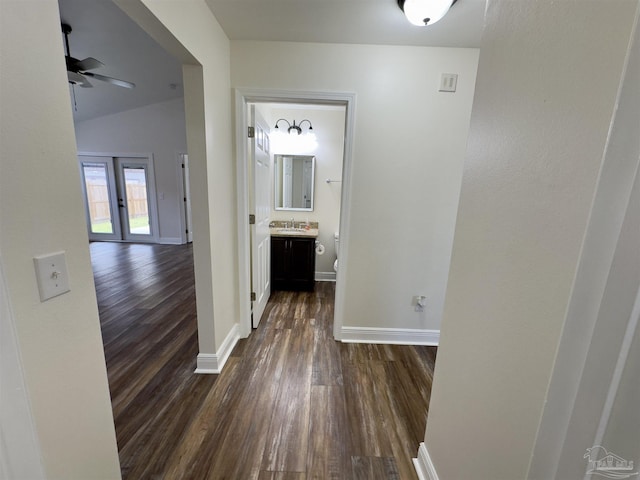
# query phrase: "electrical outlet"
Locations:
[[419, 302]]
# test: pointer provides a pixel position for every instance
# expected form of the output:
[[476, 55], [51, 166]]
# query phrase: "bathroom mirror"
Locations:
[[293, 182]]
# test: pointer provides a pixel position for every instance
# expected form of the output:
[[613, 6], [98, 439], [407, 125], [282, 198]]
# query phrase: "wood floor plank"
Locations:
[[192, 457], [397, 431], [374, 468], [368, 435], [241, 453], [286, 448], [282, 476], [327, 366], [291, 403], [329, 436]]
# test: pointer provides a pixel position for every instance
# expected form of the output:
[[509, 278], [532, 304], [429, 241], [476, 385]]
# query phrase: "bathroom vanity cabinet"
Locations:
[[293, 263]]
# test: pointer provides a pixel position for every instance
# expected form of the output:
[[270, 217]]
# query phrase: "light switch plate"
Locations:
[[448, 82], [52, 275]]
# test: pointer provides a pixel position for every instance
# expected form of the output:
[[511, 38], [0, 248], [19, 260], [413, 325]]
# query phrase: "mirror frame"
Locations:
[[275, 182]]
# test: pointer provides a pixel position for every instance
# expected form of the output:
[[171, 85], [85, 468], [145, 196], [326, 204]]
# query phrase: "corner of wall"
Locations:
[[423, 464], [213, 363]]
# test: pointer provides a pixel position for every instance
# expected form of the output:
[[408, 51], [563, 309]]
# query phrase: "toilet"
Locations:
[[337, 241]]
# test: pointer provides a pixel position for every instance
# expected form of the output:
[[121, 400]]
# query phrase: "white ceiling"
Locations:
[[101, 30], [375, 22]]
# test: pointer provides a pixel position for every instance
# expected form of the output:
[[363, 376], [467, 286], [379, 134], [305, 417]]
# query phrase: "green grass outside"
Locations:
[[105, 227]]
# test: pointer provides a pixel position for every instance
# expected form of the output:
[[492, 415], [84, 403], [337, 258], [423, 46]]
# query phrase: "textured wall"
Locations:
[[539, 127]]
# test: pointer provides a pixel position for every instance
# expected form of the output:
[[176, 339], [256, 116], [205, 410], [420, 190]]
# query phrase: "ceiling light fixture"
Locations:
[[425, 12], [294, 129]]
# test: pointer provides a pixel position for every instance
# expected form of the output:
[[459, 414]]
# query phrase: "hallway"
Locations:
[[291, 403]]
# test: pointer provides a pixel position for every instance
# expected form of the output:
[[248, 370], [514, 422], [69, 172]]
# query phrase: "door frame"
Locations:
[[116, 235], [244, 96], [184, 190], [151, 188]]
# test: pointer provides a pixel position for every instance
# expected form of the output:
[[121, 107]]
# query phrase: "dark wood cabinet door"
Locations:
[[278, 261], [302, 260], [293, 263]]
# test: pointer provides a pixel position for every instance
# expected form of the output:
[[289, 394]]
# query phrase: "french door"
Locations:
[[119, 198]]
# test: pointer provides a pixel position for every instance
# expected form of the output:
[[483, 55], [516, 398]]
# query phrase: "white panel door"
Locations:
[[259, 204]]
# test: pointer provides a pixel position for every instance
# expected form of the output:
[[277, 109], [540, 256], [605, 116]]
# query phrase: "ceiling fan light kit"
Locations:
[[425, 12], [78, 70]]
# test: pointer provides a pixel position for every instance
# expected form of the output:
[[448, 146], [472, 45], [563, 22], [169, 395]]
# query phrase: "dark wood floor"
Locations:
[[291, 402]]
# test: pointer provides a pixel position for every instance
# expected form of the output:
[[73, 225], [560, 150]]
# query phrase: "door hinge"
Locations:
[[252, 219], [253, 296], [182, 165], [186, 231], [252, 132]]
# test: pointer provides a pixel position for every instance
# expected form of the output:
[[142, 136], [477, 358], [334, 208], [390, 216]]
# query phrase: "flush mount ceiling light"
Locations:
[[425, 12], [294, 129]]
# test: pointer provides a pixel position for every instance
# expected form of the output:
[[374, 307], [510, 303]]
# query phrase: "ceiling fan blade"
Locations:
[[77, 79], [113, 81], [88, 63]]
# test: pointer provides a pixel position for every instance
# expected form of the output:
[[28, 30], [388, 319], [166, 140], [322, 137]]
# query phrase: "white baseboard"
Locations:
[[170, 241], [213, 362], [423, 464], [325, 276], [396, 336]]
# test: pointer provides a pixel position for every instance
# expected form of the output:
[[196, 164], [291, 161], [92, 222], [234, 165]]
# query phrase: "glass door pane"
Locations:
[[137, 205], [96, 181]]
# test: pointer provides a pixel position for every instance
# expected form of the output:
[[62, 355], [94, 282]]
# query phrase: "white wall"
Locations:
[[190, 32], [622, 434], [158, 129], [601, 302], [41, 212], [407, 163], [328, 126], [538, 133], [20, 455], [605, 351]]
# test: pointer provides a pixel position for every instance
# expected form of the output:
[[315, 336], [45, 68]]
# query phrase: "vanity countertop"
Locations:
[[293, 232], [284, 228]]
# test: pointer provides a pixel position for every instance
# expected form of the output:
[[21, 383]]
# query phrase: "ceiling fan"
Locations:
[[77, 70]]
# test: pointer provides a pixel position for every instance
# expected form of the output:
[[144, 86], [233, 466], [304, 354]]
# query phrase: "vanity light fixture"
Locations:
[[292, 140], [425, 12], [295, 129]]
